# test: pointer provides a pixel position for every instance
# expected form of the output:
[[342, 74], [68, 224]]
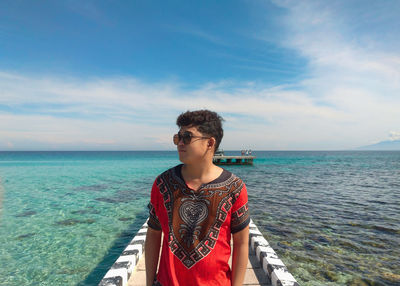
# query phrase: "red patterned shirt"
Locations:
[[197, 227]]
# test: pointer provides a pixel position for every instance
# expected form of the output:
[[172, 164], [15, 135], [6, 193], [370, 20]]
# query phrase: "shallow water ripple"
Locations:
[[333, 217]]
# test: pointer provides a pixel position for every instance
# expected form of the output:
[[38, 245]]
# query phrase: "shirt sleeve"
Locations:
[[153, 221], [240, 211]]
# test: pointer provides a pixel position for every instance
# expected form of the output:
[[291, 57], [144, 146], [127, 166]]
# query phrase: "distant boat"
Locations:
[[244, 159]]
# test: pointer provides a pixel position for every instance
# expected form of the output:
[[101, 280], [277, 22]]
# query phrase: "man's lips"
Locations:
[[181, 150]]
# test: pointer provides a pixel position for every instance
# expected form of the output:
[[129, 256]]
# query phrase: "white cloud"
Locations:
[[117, 113], [189, 29], [38, 132], [349, 97], [394, 135], [348, 69]]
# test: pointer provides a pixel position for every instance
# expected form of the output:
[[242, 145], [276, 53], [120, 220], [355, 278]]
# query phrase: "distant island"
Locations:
[[384, 145]]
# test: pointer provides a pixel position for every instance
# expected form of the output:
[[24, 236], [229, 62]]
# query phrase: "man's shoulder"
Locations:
[[233, 175], [238, 181], [228, 180]]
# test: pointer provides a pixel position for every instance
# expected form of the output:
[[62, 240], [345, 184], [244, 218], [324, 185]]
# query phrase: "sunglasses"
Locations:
[[186, 137]]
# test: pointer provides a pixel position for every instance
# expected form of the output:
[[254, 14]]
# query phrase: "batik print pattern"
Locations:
[[153, 221], [240, 218], [195, 217]]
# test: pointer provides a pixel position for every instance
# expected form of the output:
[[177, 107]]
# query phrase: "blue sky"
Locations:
[[114, 75]]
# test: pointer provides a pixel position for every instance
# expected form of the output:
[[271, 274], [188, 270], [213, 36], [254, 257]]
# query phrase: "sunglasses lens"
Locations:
[[176, 139], [187, 137]]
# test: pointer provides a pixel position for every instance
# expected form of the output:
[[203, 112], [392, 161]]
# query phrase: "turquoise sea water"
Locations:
[[332, 217]]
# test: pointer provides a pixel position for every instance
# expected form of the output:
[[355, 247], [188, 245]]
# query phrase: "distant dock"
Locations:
[[244, 159]]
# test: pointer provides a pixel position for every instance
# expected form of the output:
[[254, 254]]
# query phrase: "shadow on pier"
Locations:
[[94, 278]]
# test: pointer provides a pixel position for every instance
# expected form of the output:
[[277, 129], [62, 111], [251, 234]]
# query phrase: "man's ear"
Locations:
[[211, 142]]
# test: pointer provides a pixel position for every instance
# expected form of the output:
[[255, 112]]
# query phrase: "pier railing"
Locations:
[[275, 271], [233, 160]]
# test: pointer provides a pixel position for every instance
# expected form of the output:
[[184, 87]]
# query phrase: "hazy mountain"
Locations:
[[384, 145]]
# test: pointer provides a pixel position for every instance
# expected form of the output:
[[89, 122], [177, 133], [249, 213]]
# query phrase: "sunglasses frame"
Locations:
[[186, 138]]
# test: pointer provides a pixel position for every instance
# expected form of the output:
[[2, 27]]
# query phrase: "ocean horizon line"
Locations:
[[225, 150]]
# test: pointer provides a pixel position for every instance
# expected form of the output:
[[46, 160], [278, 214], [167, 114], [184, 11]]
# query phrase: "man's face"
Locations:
[[194, 151]]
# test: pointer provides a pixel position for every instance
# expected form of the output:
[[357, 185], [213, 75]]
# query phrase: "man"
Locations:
[[197, 205]]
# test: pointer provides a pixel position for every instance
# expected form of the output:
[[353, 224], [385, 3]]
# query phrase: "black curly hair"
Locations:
[[207, 122]]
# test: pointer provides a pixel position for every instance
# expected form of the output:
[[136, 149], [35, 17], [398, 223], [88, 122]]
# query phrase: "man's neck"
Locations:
[[199, 170]]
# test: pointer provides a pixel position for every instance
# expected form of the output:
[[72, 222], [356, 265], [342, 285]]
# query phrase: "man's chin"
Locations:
[[186, 159], [182, 158]]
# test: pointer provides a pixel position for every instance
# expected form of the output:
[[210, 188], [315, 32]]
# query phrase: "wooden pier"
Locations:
[[233, 160], [263, 267], [254, 273], [221, 159]]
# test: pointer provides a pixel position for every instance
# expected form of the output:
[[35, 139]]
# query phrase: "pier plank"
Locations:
[[254, 273], [263, 266]]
